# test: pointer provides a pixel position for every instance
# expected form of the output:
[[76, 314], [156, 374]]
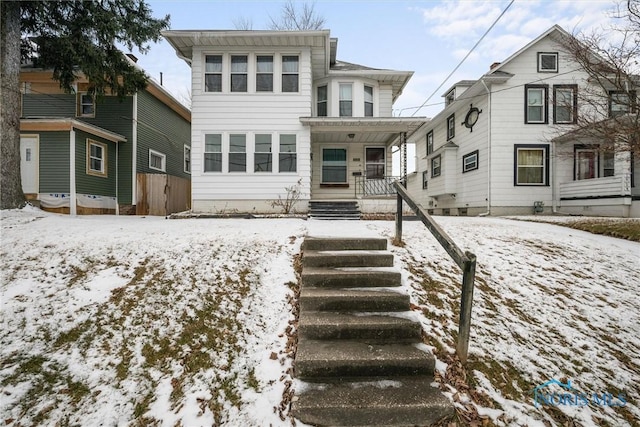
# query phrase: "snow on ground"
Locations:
[[114, 320]]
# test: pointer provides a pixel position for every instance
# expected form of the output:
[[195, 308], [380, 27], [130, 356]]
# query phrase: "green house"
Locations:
[[86, 155]]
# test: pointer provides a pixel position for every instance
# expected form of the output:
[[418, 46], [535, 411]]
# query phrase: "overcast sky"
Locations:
[[427, 37]]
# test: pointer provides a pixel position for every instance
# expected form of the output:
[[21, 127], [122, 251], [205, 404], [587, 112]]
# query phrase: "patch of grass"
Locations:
[[504, 377]]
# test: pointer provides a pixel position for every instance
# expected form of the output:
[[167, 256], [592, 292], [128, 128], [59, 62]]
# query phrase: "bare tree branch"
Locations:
[[243, 23], [294, 18]]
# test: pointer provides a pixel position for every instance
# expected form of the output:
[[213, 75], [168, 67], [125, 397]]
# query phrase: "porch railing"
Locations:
[[465, 260], [375, 187], [612, 186]]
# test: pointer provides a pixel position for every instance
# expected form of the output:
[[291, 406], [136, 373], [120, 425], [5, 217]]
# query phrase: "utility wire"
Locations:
[[465, 58]]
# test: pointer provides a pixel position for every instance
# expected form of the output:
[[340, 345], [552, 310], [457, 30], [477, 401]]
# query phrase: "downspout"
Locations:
[[554, 203], [134, 152], [488, 212], [72, 173], [117, 200]]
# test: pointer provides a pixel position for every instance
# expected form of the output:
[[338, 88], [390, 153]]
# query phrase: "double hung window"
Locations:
[[536, 104], [290, 73], [346, 99], [288, 157], [237, 153], [213, 153], [531, 164], [264, 73], [239, 68], [263, 157], [213, 73]]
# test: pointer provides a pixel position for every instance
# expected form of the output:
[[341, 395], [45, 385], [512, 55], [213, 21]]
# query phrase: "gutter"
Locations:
[[488, 212]]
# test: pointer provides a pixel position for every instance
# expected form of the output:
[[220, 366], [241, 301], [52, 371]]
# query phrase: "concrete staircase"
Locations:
[[357, 356], [326, 209]]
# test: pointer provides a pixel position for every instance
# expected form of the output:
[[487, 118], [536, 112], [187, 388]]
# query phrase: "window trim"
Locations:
[[104, 160], [205, 152], [230, 153], [204, 83], [325, 102], [244, 73], [543, 70], [545, 104], [163, 160], [255, 152], [346, 165], [187, 159], [451, 127], [477, 161], [289, 73], [545, 165], [574, 106], [260, 73], [429, 142], [341, 100], [280, 153], [367, 102], [436, 171], [80, 104]]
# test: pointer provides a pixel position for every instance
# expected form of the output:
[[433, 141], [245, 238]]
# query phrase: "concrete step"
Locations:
[[328, 299], [323, 325], [351, 277], [343, 244], [351, 258], [398, 401], [319, 360]]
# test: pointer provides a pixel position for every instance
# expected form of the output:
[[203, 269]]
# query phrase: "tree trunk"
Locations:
[[11, 195]]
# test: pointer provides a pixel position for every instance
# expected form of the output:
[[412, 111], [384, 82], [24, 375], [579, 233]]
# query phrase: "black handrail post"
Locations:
[[398, 239], [466, 301]]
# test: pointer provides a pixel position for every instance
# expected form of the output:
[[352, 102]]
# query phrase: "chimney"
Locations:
[[494, 65], [132, 57]]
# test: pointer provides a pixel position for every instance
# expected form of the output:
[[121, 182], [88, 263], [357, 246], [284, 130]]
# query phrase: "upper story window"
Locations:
[[536, 97], [621, 102], [368, 101], [290, 73], [547, 62], [436, 166], [264, 73], [96, 158], [450, 97], [213, 73], [451, 126], [346, 100], [429, 142], [239, 68], [565, 107], [86, 105], [322, 101], [157, 161]]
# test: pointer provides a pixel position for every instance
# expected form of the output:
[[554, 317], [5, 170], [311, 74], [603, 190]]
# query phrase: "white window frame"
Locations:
[[545, 96], [244, 72], [436, 166], [264, 73], [541, 56], [346, 165], [234, 154], [451, 127], [81, 104], [103, 172], [217, 73], [367, 101], [187, 159], [163, 160], [256, 152], [324, 102], [205, 152], [291, 154], [284, 73], [341, 99]]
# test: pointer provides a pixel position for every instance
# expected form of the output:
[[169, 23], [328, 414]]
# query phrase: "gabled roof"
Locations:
[[555, 31]]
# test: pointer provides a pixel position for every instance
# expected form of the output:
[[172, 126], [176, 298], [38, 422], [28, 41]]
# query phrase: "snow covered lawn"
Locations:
[[141, 320]]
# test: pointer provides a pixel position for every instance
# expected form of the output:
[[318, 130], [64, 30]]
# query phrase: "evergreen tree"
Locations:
[[68, 37]]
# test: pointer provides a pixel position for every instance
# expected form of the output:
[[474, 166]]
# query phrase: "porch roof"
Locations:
[[363, 129], [67, 124]]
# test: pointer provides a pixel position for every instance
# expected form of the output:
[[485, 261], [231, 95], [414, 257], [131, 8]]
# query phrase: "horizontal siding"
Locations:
[[163, 130], [610, 186], [49, 105], [91, 184], [54, 162]]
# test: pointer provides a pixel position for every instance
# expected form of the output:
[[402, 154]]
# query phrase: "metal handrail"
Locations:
[[375, 187], [465, 260]]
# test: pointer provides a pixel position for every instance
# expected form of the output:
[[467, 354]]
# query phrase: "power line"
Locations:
[[465, 57]]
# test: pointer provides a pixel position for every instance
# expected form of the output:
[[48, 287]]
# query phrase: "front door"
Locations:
[[586, 164], [29, 164], [375, 167]]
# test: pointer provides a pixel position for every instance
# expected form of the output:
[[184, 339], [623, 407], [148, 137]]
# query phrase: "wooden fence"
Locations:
[[160, 194], [465, 260]]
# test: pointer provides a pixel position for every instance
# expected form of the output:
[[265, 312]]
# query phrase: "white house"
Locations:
[[275, 109], [503, 144]]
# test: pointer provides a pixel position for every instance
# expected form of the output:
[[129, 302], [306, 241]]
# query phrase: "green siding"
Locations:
[[39, 105], [161, 129], [91, 184], [117, 116], [54, 162]]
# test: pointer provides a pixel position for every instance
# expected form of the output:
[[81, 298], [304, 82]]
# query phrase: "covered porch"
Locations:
[[352, 158]]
